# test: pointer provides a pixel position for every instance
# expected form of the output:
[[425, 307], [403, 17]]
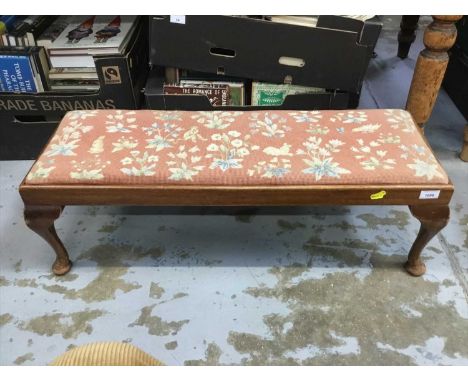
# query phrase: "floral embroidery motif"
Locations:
[[124, 143], [144, 162], [230, 150], [400, 120], [184, 163], [372, 161], [245, 148], [168, 115], [268, 125], [67, 141], [88, 169], [163, 135], [98, 145], [40, 171], [119, 122], [367, 128], [218, 120], [427, 168], [306, 116], [320, 159], [350, 116], [83, 114]]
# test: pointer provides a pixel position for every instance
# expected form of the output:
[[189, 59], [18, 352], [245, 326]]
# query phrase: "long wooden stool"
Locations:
[[237, 158]]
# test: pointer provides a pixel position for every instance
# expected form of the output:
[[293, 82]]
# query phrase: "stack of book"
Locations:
[[72, 42], [62, 58], [20, 31]]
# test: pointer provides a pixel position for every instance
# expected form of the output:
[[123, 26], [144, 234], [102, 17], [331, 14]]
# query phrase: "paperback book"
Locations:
[[217, 95], [17, 74], [236, 89], [267, 94], [73, 74]]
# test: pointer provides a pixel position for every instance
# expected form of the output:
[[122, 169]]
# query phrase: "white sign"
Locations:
[[177, 19], [429, 194]]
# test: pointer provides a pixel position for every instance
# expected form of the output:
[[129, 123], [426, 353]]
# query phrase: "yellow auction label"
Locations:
[[378, 195]]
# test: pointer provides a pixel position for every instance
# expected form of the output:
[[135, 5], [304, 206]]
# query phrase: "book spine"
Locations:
[[17, 74], [217, 96]]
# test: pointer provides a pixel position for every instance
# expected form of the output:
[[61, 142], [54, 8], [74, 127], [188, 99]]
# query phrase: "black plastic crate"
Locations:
[[335, 53], [157, 100]]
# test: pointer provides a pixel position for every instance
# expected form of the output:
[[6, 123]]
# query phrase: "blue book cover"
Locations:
[[16, 74]]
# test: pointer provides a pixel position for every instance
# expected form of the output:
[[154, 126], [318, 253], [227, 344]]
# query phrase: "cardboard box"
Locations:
[[121, 79], [333, 55]]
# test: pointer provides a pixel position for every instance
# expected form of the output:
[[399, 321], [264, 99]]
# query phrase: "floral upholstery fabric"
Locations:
[[237, 148]]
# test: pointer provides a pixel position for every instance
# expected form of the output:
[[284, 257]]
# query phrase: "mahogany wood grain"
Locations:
[[170, 195], [41, 220], [433, 219]]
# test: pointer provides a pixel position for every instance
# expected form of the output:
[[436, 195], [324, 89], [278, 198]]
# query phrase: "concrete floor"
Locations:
[[310, 286]]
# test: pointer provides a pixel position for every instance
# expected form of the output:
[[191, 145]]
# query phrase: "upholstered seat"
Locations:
[[237, 148]]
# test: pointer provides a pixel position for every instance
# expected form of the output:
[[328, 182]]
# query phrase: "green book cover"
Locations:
[[266, 94]]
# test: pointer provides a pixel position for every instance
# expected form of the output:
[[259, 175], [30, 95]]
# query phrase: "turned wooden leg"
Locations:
[[430, 68], [464, 152], [407, 34], [41, 220], [433, 218]]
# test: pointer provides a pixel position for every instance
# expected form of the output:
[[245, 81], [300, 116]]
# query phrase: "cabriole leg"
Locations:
[[41, 220], [433, 218]]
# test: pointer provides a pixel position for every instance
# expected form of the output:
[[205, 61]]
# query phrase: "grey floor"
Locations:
[[313, 286]]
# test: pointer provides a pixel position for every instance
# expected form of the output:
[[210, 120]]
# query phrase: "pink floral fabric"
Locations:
[[237, 148]]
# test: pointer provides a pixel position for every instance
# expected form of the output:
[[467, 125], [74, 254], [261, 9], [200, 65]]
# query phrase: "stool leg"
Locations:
[[41, 220], [433, 218]]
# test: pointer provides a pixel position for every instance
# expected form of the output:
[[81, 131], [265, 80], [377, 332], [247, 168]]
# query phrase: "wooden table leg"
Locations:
[[407, 34], [430, 68]]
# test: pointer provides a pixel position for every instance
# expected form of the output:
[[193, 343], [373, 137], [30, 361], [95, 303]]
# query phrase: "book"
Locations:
[[53, 31], [267, 94], [36, 72], [8, 24], [236, 89], [16, 74], [25, 32], [17, 37], [217, 95], [73, 73], [94, 35], [80, 85]]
